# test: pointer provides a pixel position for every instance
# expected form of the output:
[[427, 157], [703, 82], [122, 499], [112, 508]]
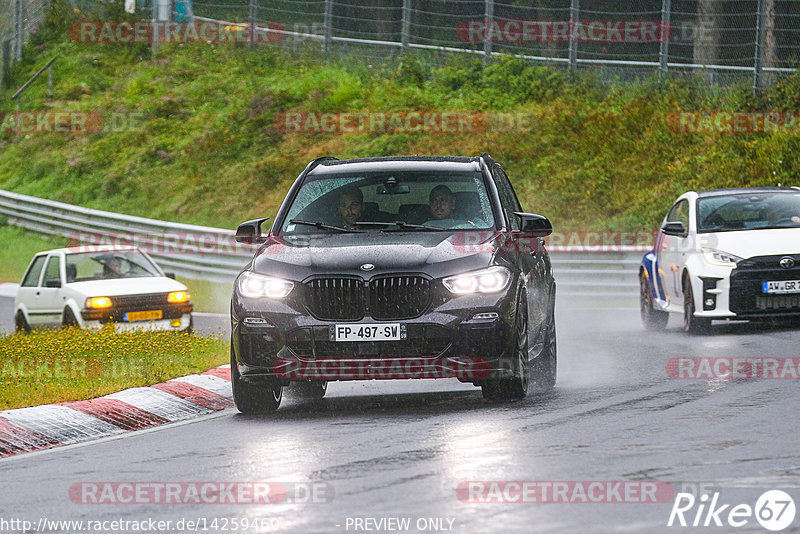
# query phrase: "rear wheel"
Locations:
[[313, 389], [250, 398], [20, 324], [515, 387], [544, 369], [692, 324], [652, 319]]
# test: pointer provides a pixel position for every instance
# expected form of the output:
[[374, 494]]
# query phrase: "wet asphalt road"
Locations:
[[399, 449]]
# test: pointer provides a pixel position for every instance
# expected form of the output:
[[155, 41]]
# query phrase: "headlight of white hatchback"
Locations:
[[253, 286], [491, 280], [718, 257]]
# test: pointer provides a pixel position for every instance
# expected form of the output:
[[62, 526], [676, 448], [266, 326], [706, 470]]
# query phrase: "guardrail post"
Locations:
[[488, 21], [664, 35], [574, 18], [251, 16], [328, 25], [405, 27], [759, 49], [50, 82]]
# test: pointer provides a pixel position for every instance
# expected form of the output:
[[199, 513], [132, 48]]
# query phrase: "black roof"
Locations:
[[396, 163], [745, 190]]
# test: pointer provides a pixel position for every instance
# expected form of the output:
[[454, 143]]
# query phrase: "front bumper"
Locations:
[[447, 341]]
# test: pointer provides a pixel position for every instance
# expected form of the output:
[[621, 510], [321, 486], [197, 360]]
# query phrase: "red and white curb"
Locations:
[[66, 423]]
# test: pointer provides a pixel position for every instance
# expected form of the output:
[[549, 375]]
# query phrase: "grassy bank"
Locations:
[[200, 143], [62, 365]]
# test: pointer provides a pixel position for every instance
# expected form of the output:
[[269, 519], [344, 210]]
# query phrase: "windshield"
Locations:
[[390, 201], [87, 266], [752, 211]]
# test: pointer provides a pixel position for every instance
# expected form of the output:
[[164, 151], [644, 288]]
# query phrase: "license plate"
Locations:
[[367, 332], [781, 286], [142, 316]]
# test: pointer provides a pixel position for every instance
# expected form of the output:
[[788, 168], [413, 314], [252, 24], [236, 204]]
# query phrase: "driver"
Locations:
[[442, 203], [112, 268], [350, 206]]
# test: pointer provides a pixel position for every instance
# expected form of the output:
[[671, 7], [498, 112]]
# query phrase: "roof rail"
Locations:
[[316, 162]]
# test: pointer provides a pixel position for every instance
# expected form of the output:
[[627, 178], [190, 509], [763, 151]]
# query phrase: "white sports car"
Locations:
[[724, 254], [91, 286]]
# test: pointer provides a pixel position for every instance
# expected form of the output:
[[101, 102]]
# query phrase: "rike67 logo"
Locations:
[[774, 510]]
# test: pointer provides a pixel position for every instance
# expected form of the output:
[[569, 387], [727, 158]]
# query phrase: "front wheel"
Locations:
[[515, 387], [68, 318], [691, 323], [262, 397], [652, 319]]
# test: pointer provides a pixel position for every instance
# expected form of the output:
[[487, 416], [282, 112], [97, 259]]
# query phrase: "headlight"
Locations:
[[489, 280], [98, 302], [717, 257], [176, 297], [255, 286]]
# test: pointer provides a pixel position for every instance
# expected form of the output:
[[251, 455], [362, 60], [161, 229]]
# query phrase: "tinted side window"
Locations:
[[32, 276], [53, 270], [680, 213], [507, 197]]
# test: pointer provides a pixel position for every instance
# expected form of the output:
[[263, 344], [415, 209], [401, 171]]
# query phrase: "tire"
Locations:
[[652, 319], [68, 319], [692, 324], [312, 389], [515, 387], [20, 324], [262, 397], [544, 369]]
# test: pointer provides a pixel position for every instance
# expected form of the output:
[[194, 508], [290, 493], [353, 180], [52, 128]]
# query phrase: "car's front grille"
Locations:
[[746, 293], [140, 302], [424, 340], [336, 299], [388, 297], [399, 297]]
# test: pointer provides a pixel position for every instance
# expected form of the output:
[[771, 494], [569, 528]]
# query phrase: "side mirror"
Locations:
[[538, 225], [674, 228], [53, 282], [250, 232], [170, 275]]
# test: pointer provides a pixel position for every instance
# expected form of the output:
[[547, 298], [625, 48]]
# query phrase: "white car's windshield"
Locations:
[[749, 211], [87, 266], [390, 201]]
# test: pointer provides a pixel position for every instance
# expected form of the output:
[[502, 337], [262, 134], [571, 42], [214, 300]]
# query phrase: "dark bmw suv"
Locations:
[[392, 268]]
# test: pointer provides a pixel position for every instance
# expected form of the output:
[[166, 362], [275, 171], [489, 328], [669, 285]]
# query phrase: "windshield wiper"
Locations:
[[401, 224], [323, 226]]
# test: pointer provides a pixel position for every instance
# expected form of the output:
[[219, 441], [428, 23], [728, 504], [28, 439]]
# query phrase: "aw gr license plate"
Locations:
[[142, 316], [781, 287], [367, 332]]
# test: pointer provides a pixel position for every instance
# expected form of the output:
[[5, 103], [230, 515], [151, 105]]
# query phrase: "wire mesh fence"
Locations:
[[725, 39]]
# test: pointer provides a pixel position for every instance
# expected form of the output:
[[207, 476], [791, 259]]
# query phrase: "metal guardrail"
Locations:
[[208, 253], [193, 251]]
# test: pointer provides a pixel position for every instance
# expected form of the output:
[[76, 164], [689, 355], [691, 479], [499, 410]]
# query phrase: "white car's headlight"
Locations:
[[489, 280], [717, 257], [253, 286]]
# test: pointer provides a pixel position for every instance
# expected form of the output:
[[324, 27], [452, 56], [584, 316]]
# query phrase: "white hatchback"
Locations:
[[724, 254], [93, 286]]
